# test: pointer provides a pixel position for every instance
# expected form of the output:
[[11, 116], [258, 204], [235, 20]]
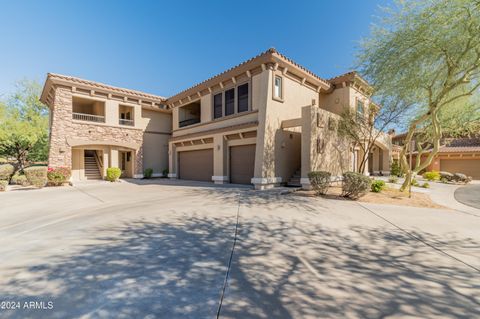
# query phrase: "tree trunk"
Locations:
[[419, 165]]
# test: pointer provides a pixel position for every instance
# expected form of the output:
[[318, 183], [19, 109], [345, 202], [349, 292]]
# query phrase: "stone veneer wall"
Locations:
[[63, 127], [105, 133], [60, 153]]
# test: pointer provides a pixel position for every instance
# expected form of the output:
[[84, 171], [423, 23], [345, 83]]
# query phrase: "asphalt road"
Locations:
[[161, 249], [469, 195]]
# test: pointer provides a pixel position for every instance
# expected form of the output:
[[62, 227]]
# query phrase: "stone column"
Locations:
[[138, 169], [60, 153]]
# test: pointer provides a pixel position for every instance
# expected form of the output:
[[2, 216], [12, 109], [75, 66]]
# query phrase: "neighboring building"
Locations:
[[94, 126], [456, 155], [267, 121]]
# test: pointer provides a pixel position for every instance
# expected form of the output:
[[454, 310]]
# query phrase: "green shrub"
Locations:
[[6, 171], [320, 181], [165, 172], [393, 179], [396, 170], [377, 186], [444, 180], [113, 174], [355, 184], [432, 176], [3, 186], [426, 185], [415, 182], [36, 175], [58, 175], [19, 179], [3, 160], [147, 173]]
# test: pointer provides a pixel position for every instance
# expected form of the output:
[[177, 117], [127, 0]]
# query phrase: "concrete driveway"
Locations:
[[469, 195], [162, 249]]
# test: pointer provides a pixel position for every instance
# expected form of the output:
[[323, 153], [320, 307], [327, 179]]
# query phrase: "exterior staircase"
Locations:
[[294, 181], [91, 168]]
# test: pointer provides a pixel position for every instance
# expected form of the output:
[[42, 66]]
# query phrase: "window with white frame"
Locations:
[[278, 87], [360, 108]]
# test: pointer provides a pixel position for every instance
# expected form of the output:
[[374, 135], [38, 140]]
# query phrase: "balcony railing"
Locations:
[[89, 117], [188, 122], [126, 122]]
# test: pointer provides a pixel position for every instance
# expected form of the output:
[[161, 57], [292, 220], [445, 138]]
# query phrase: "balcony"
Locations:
[[189, 114], [125, 115], [89, 117], [88, 110], [188, 122], [126, 122]]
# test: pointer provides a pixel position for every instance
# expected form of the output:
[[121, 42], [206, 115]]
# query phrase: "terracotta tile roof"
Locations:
[[466, 149], [299, 66], [106, 87], [461, 145], [222, 73], [349, 76], [264, 57], [458, 145]]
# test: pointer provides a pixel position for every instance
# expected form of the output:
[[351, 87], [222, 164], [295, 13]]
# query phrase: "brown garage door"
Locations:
[[242, 164], [196, 165], [469, 167]]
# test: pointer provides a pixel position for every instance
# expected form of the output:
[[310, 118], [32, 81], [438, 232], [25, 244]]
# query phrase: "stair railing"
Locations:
[[99, 163]]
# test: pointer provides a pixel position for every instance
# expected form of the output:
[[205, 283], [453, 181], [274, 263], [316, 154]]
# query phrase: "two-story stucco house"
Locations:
[[266, 121]]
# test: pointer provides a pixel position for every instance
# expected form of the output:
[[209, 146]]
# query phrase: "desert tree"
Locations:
[[364, 128], [427, 54], [24, 125]]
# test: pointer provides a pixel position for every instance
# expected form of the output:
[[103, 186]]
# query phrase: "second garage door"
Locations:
[[196, 165], [242, 164], [469, 167]]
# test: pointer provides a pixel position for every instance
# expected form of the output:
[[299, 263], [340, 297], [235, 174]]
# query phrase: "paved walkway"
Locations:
[[160, 249]]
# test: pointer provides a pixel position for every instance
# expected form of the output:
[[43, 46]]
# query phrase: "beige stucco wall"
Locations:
[[336, 100], [157, 126], [78, 165], [155, 152], [275, 159], [322, 148]]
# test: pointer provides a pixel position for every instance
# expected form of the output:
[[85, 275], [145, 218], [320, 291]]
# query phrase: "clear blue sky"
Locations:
[[164, 47]]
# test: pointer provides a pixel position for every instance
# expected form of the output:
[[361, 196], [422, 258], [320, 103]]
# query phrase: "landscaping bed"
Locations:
[[388, 195]]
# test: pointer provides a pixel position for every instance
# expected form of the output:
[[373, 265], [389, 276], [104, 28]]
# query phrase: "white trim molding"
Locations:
[[265, 182], [220, 179], [305, 180], [138, 176], [172, 175]]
